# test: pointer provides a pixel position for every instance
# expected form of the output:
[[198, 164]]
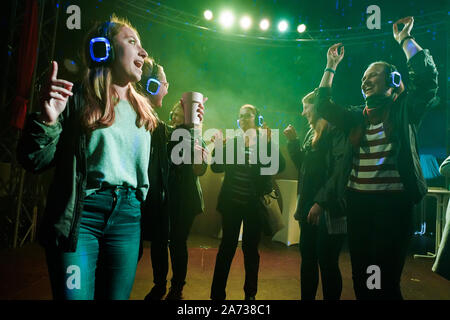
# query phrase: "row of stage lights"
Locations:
[[227, 18]]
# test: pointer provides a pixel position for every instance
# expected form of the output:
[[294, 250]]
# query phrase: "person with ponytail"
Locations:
[[319, 160], [385, 179], [96, 136]]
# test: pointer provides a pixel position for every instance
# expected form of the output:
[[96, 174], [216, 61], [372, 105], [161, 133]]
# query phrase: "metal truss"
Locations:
[[360, 35], [22, 196]]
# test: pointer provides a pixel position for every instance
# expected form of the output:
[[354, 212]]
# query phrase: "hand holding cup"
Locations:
[[192, 103]]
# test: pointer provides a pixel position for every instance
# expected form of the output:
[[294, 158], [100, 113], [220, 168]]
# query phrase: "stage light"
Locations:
[[226, 19], [208, 14], [301, 28], [283, 26], [246, 22], [264, 24]]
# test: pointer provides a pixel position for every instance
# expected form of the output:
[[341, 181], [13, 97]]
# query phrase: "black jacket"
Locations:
[[262, 183], [62, 147], [174, 189], [320, 171], [406, 114], [156, 204]]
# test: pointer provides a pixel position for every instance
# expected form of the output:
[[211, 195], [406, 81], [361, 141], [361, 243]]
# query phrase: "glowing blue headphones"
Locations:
[[395, 79], [153, 84], [259, 120], [100, 48]]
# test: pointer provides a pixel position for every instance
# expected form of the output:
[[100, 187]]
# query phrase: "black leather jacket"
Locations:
[[405, 115]]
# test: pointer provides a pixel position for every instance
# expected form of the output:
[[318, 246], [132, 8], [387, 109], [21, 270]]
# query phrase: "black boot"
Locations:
[[157, 293], [175, 293]]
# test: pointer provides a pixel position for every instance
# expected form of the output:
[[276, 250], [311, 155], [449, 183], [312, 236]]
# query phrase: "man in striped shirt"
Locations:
[[374, 168], [385, 179]]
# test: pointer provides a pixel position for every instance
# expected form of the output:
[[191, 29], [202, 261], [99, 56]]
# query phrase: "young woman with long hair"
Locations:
[[320, 213], [97, 137]]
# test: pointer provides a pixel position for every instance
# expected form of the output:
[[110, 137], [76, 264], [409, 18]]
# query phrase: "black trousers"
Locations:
[[173, 232], [231, 224], [379, 233], [319, 249]]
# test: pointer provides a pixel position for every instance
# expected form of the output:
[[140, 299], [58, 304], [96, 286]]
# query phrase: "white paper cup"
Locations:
[[191, 101]]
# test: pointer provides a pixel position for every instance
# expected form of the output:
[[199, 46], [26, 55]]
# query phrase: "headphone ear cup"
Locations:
[[152, 82], [393, 77], [259, 120], [101, 49]]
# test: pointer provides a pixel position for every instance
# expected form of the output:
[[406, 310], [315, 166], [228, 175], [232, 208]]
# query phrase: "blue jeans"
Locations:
[[104, 263]]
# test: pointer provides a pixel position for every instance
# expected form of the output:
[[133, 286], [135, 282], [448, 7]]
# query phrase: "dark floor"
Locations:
[[23, 274]]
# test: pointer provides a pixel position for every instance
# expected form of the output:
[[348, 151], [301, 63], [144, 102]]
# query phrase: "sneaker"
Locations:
[[157, 293]]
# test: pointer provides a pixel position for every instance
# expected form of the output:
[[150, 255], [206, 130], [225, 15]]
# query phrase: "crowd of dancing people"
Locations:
[[115, 184]]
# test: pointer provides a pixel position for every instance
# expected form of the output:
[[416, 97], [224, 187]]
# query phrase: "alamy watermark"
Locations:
[[374, 280], [235, 153], [74, 20], [374, 20], [74, 280]]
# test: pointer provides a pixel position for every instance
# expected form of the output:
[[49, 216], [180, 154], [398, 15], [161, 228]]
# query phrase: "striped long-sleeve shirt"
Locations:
[[374, 168]]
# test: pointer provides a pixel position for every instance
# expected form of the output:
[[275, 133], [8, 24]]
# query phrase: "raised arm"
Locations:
[[37, 146], [423, 76], [334, 57], [341, 117], [404, 38]]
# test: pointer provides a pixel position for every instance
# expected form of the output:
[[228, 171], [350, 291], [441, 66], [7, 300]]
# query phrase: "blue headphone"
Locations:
[[152, 84], [395, 79], [259, 120], [100, 48]]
